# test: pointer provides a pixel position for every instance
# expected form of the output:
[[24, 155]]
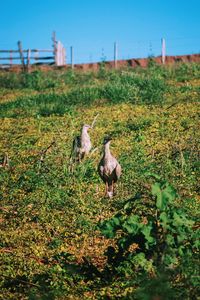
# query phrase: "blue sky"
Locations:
[[92, 26]]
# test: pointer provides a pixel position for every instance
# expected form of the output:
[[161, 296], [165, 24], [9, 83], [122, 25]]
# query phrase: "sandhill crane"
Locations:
[[81, 144], [109, 169]]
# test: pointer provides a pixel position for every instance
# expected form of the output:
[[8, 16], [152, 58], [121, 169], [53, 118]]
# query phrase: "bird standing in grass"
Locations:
[[81, 144], [109, 169]]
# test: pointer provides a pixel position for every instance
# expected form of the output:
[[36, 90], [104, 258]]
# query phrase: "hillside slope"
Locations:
[[49, 215]]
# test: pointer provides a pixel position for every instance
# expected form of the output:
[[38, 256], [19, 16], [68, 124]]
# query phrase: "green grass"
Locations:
[[51, 247]]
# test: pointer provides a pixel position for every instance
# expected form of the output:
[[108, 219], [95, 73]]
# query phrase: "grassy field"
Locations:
[[60, 238]]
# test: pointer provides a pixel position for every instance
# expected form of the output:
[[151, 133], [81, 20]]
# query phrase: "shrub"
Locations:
[[155, 243]]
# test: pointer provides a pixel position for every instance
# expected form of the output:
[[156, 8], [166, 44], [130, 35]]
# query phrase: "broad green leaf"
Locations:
[[108, 229], [132, 224], [116, 221], [170, 240], [170, 260], [179, 220], [169, 193], [156, 191], [133, 220], [147, 233], [164, 219], [180, 250]]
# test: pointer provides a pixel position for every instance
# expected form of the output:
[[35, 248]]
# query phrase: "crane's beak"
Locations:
[[87, 126]]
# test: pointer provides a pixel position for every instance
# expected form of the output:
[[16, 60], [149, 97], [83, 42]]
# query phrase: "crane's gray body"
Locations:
[[86, 144], [81, 144], [109, 169]]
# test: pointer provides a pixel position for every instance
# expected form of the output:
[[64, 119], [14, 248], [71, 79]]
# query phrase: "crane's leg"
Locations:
[[113, 188], [106, 189], [110, 190]]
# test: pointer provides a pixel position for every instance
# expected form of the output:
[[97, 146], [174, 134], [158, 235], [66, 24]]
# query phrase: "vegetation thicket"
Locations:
[[60, 238]]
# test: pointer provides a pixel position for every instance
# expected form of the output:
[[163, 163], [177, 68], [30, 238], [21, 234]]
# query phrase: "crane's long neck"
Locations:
[[84, 132], [107, 150]]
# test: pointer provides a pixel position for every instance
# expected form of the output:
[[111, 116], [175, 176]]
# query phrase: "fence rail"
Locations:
[[56, 55], [25, 56]]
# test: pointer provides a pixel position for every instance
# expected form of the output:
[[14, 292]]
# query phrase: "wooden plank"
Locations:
[[60, 54], [25, 51], [41, 50], [8, 51], [8, 58], [42, 57], [31, 57], [64, 56]]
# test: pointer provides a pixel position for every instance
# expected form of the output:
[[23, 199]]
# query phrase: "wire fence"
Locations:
[[136, 49], [91, 52]]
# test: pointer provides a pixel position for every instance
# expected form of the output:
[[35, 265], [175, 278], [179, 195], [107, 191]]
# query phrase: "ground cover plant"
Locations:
[[60, 238]]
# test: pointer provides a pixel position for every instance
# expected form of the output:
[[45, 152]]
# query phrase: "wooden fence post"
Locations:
[[163, 50], [115, 55], [54, 46], [72, 57], [21, 55], [28, 58]]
